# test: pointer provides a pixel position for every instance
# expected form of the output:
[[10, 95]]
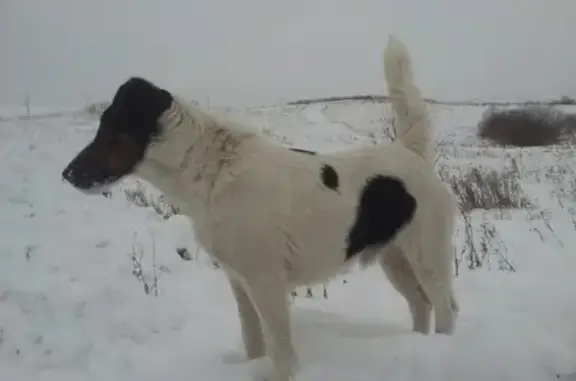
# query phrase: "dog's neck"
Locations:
[[197, 148]]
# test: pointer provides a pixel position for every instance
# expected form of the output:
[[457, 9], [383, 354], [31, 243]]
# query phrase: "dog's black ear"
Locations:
[[144, 92], [141, 92], [136, 108]]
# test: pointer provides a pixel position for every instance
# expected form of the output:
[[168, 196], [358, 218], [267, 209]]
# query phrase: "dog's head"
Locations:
[[127, 128]]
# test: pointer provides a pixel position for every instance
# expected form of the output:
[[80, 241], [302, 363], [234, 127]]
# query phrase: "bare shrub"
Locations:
[[96, 108], [487, 190], [387, 129], [566, 100], [310, 293], [149, 281], [184, 253], [482, 245], [528, 126], [30, 251], [282, 139], [481, 192]]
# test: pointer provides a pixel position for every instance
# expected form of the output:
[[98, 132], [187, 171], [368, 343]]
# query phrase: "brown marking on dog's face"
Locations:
[[127, 127]]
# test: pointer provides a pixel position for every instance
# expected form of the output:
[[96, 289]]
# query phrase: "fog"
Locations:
[[248, 52]]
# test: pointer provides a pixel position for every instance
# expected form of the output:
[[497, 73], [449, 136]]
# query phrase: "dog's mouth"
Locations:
[[86, 178], [89, 183]]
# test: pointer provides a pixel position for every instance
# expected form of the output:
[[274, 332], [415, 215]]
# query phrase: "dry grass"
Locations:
[[482, 247], [149, 281], [97, 108], [486, 189], [480, 192], [310, 293]]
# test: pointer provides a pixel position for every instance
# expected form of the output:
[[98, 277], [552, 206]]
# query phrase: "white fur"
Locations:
[[263, 213], [413, 127]]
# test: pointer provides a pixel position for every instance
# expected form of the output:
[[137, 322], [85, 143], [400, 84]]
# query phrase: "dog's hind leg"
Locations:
[[433, 269], [250, 324], [400, 273]]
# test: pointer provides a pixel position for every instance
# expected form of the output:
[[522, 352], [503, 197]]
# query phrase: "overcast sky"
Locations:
[[247, 52]]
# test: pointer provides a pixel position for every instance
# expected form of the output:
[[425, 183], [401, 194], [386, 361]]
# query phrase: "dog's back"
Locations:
[[312, 202]]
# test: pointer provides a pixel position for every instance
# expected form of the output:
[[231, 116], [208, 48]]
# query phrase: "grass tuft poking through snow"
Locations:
[[487, 190]]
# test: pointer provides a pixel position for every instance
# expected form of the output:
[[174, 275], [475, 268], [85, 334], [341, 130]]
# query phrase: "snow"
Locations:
[[73, 269]]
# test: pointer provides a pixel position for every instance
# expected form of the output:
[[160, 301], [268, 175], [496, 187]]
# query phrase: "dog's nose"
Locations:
[[68, 175]]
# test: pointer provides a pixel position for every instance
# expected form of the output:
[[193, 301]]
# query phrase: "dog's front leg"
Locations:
[[268, 293], [252, 335]]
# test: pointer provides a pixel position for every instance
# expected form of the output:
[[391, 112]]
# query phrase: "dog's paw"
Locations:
[[263, 370]]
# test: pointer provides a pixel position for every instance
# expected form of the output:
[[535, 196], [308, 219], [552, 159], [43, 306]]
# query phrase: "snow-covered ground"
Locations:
[[73, 272]]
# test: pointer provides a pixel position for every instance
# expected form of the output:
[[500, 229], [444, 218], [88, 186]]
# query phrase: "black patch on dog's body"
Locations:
[[304, 151], [127, 127], [330, 177], [385, 207]]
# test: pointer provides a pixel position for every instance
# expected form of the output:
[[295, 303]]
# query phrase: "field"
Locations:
[[92, 288]]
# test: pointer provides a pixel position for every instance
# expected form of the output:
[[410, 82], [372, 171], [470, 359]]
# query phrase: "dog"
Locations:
[[276, 218]]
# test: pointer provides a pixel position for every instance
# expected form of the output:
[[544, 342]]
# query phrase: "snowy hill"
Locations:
[[91, 288]]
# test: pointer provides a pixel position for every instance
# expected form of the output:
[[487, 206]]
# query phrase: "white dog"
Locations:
[[276, 218]]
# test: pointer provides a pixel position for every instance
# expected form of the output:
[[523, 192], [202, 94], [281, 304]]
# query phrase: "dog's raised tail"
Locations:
[[413, 125]]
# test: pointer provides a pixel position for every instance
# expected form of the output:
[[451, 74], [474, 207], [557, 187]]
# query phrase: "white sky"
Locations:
[[246, 52]]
